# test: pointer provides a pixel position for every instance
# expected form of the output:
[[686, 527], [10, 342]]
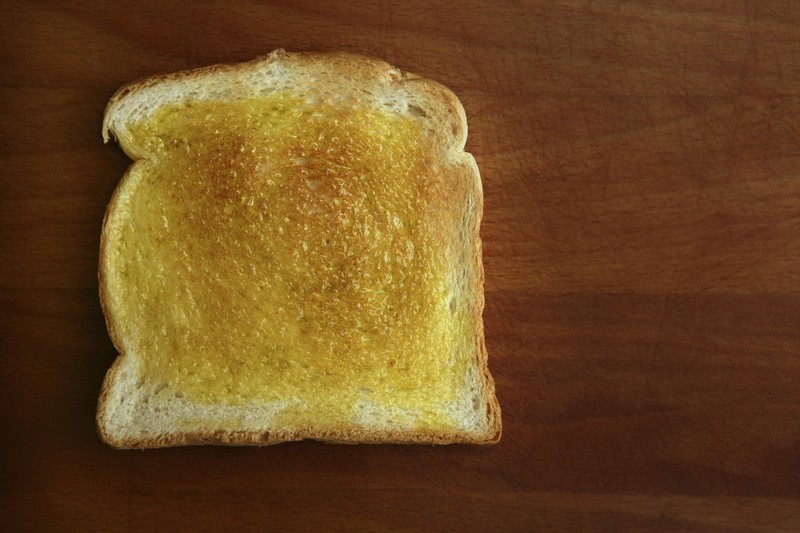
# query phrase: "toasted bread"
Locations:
[[294, 254]]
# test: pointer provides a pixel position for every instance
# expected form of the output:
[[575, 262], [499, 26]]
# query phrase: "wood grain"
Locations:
[[641, 170]]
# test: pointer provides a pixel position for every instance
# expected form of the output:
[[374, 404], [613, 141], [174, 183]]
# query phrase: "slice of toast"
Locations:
[[294, 254]]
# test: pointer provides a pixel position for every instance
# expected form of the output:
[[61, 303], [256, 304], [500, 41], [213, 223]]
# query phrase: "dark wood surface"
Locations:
[[641, 168]]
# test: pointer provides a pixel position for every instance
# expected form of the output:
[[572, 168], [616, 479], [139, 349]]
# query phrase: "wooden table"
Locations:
[[641, 167]]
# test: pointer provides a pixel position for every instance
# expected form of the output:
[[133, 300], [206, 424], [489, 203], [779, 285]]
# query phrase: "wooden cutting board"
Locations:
[[641, 171]]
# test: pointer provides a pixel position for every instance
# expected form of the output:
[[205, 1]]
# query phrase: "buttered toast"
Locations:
[[294, 254]]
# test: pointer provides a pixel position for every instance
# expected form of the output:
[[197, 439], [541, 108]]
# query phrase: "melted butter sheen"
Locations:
[[281, 248]]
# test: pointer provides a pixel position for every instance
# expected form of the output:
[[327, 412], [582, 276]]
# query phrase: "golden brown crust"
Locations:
[[355, 64]]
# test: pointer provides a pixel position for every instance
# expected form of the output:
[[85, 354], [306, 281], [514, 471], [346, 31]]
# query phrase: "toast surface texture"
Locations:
[[294, 254]]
